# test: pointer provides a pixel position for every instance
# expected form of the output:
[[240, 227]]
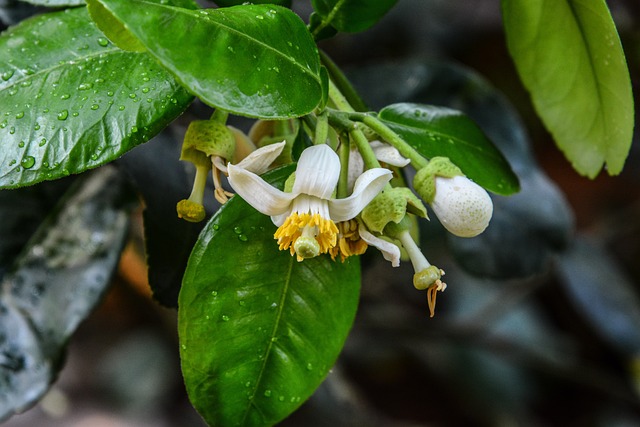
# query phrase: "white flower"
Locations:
[[390, 251], [462, 206], [306, 216], [383, 152]]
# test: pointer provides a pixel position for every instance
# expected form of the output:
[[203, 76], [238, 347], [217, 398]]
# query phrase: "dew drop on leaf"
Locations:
[[95, 107], [20, 115], [28, 162], [62, 115], [7, 75], [243, 237], [102, 41], [267, 393], [225, 318]]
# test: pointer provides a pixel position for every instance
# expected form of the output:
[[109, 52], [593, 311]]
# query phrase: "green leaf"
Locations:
[[227, 3], [258, 330], [349, 15], [569, 57], [71, 101], [440, 131], [56, 283], [251, 60]]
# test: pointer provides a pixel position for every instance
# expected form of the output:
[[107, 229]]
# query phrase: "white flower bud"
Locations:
[[462, 206]]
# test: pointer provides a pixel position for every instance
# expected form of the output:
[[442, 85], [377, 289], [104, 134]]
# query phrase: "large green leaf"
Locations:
[[71, 101], [439, 131], [349, 15], [56, 282], [227, 3], [251, 60], [569, 57], [258, 330]]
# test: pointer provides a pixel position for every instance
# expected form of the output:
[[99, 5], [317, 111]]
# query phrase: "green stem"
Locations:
[[219, 116], [364, 148], [338, 98], [343, 182], [342, 83], [322, 129], [417, 160]]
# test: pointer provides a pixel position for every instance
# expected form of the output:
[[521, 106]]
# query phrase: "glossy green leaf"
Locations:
[[349, 15], [258, 330], [569, 57], [71, 101], [227, 3], [439, 131], [57, 281], [251, 60]]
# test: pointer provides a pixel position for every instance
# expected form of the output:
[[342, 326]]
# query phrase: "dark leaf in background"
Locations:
[[14, 11], [22, 210], [56, 282], [602, 293], [162, 180], [349, 15], [526, 228]]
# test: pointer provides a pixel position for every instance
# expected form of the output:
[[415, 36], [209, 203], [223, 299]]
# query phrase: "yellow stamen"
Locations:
[[432, 293], [323, 230], [349, 241]]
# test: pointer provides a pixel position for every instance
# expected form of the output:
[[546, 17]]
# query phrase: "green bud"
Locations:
[[391, 206], [424, 181], [205, 138]]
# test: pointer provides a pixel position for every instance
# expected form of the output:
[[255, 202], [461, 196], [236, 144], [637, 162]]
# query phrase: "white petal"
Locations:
[[259, 160], [388, 154], [258, 193], [462, 206], [356, 167], [317, 172], [367, 186], [390, 252]]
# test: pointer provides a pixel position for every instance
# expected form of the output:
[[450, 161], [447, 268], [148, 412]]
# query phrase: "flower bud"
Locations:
[[462, 206]]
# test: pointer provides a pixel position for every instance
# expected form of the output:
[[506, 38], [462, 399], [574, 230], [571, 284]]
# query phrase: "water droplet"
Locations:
[[121, 108], [65, 96], [12, 130], [110, 93], [274, 339], [259, 17], [94, 156], [225, 318], [85, 86], [20, 115], [62, 115], [103, 41], [214, 293], [12, 162], [231, 49], [237, 230], [216, 227], [242, 303], [134, 129], [95, 106], [21, 144], [37, 126], [7, 75], [281, 398], [243, 237], [145, 90], [42, 142], [28, 162], [247, 384], [75, 114], [267, 393], [309, 366], [26, 83], [184, 347]]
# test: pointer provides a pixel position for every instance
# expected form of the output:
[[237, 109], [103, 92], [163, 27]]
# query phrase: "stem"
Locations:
[[322, 129], [364, 148], [417, 160], [199, 183], [219, 116], [338, 98], [343, 181], [342, 83], [418, 259]]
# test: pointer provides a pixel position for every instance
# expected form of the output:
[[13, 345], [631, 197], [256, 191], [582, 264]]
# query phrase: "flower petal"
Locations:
[[367, 186], [388, 154], [390, 252], [259, 160], [258, 193], [317, 172], [356, 167]]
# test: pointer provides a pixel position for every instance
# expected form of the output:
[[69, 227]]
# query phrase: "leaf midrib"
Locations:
[[267, 353]]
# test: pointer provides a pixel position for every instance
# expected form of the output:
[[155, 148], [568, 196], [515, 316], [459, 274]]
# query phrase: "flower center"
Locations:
[[349, 241], [306, 226]]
